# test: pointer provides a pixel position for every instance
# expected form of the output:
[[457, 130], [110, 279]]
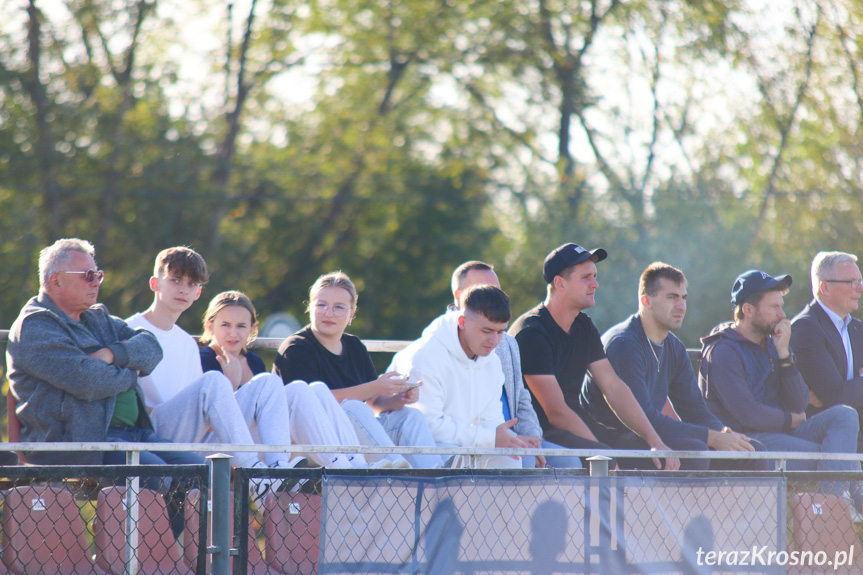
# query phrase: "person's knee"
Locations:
[[759, 464], [298, 391], [691, 444], [357, 407], [845, 415], [757, 445], [500, 462], [214, 382], [301, 383], [269, 385], [686, 443], [268, 380], [319, 388], [412, 415], [563, 461]]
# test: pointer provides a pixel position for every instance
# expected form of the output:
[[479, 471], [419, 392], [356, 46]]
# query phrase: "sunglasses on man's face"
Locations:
[[90, 275]]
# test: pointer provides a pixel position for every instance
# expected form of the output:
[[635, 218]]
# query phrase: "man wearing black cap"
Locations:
[[559, 344], [750, 379]]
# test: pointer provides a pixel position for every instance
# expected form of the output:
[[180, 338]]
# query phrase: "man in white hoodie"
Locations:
[[516, 400], [462, 379]]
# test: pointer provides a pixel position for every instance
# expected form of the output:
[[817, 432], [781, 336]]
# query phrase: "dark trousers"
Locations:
[[569, 440], [629, 440]]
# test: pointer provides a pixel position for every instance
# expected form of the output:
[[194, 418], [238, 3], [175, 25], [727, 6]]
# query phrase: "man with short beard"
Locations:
[[559, 345], [654, 363], [750, 379]]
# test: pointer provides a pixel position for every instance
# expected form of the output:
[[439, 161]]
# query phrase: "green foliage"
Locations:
[[435, 132]]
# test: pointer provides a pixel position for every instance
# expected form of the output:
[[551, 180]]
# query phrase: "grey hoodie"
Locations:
[[63, 394]]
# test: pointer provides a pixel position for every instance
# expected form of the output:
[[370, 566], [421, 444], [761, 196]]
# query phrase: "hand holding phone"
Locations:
[[412, 383]]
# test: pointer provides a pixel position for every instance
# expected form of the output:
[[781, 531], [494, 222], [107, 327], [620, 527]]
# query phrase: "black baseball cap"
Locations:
[[568, 255], [755, 281]]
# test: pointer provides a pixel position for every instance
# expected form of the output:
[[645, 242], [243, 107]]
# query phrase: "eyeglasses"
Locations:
[[855, 283], [338, 310], [90, 275]]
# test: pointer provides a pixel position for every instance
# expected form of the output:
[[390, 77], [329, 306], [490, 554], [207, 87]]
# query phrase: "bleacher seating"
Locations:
[[43, 532], [158, 550], [257, 566], [292, 528]]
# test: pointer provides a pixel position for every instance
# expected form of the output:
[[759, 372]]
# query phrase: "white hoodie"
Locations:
[[459, 397]]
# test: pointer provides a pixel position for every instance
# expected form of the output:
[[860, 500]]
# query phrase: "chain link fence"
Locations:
[[157, 519], [547, 521], [104, 519]]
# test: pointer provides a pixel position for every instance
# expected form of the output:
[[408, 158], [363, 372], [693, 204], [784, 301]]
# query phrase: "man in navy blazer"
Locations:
[[826, 340]]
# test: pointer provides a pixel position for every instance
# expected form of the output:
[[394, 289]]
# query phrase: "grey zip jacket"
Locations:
[[63, 394]]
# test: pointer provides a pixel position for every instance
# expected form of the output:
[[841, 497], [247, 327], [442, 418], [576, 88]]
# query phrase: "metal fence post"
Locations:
[[220, 546], [599, 465], [132, 510], [601, 514]]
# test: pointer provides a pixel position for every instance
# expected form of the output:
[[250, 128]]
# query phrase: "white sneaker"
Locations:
[[380, 464], [402, 464]]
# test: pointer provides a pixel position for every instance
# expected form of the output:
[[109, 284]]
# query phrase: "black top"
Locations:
[[548, 350], [210, 363], [301, 356]]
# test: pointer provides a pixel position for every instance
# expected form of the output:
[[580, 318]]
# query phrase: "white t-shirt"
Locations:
[[180, 365]]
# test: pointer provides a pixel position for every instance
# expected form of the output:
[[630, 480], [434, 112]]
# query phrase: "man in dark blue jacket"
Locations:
[[750, 379]]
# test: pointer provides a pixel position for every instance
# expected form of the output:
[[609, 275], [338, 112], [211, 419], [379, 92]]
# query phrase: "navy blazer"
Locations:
[[821, 356]]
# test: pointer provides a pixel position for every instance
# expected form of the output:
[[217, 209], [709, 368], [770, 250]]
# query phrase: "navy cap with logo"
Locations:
[[755, 281], [566, 256]]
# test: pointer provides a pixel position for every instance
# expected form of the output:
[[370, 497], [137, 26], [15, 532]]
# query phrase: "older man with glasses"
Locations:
[[74, 368], [826, 340]]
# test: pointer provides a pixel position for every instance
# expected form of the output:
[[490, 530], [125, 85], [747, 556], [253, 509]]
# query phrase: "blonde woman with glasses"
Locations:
[[338, 362]]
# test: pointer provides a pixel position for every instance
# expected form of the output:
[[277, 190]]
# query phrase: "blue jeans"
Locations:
[[556, 461], [833, 430], [126, 434], [176, 495]]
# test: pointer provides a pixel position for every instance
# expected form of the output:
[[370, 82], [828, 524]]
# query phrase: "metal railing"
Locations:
[[373, 345], [217, 543]]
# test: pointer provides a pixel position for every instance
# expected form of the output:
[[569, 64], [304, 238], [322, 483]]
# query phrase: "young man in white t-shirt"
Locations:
[[189, 406]]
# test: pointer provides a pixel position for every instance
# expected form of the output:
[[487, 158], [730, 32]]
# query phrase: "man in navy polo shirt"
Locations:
[[656, 367]]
